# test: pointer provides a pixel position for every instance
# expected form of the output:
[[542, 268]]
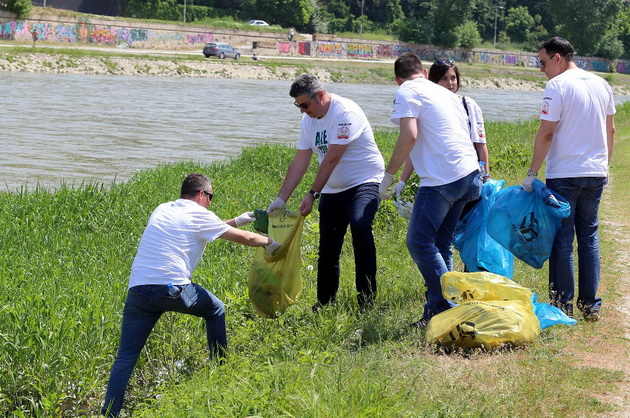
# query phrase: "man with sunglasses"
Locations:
[[576, 139], [170, 249], [350, 170], [434, 134]]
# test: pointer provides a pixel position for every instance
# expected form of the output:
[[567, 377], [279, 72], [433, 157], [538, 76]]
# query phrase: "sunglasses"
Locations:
[[304, 105], [208, 194], [445, 63], [543, 63]]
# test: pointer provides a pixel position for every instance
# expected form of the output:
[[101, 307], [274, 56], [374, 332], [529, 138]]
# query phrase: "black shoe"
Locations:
[[420, 324], [317, 307], [567, 307], [590, 313]]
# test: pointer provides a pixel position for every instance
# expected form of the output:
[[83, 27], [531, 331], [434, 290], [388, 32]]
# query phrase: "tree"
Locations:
[[448, 15], [519, 23], [468, 35], [584, 23], [21, 8]]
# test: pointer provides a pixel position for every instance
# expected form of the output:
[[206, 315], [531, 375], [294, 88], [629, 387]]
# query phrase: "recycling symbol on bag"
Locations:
[[528, 227]]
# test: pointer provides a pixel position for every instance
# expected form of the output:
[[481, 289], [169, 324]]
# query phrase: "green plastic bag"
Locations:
[[275, 281]]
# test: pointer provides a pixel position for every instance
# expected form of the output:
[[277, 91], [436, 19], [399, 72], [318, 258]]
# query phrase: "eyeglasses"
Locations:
[[304, 105], [543, 63], [208, 194], [445, 63]]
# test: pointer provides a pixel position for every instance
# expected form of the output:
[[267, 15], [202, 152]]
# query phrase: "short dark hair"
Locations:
[[306, 85], [558, 45], [193, 184], [439, 68], [407, 65]]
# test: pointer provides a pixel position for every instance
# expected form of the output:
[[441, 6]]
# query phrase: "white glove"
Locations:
[[276, 204], [244, 218], [387, 181], [398, 188], [271, 248], [529, 180]]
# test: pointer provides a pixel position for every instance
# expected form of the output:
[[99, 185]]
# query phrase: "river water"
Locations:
[[74, 128]]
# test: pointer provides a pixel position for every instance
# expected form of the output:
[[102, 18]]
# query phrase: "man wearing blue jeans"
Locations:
[[350, 168], [434, 135], [170, 249], [576, 138]]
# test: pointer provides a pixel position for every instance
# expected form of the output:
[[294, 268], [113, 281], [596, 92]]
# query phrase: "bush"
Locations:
[[468, 35], [21, 8]]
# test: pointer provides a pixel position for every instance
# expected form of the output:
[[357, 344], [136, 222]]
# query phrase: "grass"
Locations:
[[65, 256]]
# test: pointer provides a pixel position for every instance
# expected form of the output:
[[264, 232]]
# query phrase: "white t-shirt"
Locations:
[[173, 242], [344, 124], [579, 101], [443, 152], [476, 125]]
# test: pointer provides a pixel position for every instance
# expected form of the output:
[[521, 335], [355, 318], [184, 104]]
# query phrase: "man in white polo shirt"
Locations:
[[434, 134], [576, 137], [170, 249], [350, 169]]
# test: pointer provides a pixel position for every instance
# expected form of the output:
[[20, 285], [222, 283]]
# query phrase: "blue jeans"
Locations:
[[584, 195], [144, 306], [355, 207], [436, 211]]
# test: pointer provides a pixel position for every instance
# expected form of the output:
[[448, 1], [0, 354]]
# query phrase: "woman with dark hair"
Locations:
[[445, 73]]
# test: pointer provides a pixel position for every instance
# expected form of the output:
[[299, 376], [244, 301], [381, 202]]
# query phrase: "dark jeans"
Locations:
[[144, 306], [436, 211], [584, 195], [355, 207]]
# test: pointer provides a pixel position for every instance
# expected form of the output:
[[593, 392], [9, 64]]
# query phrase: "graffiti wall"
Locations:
[[85, 32], [93, 32]]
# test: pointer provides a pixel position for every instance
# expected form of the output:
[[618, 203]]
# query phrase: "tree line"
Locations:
[[594, 27]]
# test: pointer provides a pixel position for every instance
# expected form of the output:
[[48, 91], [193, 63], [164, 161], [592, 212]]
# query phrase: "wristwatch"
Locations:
[[531, 172], [315, 194]]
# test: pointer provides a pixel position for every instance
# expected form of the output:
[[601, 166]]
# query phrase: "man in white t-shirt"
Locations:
[[576, 137], [170, 249], [350, 170], [434, 134]]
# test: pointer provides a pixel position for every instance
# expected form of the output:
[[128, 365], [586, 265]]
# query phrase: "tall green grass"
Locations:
[[65, 256]]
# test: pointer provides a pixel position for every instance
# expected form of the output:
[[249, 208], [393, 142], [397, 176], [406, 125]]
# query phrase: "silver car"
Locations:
[[220, 50]]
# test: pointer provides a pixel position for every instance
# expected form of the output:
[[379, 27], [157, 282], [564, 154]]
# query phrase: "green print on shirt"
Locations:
[[321, 142]]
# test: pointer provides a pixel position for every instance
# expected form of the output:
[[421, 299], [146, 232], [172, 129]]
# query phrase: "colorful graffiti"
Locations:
[[359, 50], [330, 49], [284, 47], [304, 48], [84, 32]]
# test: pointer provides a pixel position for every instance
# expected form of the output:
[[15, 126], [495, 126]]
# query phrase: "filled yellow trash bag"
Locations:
[[482, 285], [486, 324], [275, 282]]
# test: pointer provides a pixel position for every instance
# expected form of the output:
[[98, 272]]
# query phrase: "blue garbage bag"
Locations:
[[478, 250], [550, 315], [527, 223]]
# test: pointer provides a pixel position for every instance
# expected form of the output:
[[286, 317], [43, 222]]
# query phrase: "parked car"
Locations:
[[221, 50], [258, 23]]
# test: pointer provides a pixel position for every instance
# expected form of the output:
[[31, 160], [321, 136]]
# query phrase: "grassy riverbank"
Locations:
[[64, 263]]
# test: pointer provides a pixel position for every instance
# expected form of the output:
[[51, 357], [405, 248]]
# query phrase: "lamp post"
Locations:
[[496, 13], [185, 15], [361, 25]]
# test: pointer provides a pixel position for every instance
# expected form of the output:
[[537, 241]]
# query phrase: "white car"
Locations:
[[258, 23]]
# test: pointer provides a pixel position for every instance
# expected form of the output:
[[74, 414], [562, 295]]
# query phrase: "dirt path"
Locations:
[[605, 344]]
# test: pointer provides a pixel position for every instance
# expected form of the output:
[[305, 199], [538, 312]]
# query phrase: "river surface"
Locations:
[[72, 128]]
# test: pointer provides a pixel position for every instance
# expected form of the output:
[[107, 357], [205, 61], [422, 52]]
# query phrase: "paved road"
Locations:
[[138, 51]]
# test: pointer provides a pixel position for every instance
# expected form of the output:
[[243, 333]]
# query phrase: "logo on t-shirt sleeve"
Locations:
[[545, 108], [343, 133]]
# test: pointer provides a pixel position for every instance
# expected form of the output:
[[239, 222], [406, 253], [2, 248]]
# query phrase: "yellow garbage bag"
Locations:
[[275, 282], [482, 285], [486, 324]]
